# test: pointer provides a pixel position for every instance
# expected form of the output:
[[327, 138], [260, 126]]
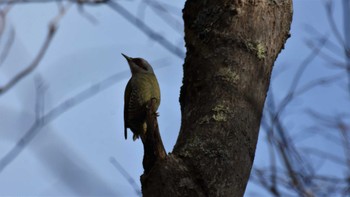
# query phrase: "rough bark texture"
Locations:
[[231, 48]]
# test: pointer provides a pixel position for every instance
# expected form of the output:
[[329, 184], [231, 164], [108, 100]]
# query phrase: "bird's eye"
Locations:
[[140, 63]]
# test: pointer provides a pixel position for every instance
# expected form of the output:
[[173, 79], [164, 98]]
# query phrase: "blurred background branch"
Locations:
[[295, 167], [50, 34]]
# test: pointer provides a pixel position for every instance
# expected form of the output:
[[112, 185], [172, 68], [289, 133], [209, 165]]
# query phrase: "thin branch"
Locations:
[[40, 55], [40, 89], [53, 28], [138, 23], [301, 178], [3, 15], [331, 46], [89, 17], [31, 133], [296, 80], [311, 132], [334, 62], [324, 155], [163, 13], [126, 175], [8, 45], [343, 130], [57, 111], [334, 28], [318, 82], [264, 182], [87, 2], [346, 27], [152, 142]]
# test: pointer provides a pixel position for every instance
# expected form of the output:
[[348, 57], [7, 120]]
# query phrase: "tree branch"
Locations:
[[88, 2], [40, 55], [153, 146], [126, 175], [54, 113], [146, 29]]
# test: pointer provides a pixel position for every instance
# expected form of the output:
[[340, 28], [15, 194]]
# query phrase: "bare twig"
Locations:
[[40, 89], [264, 182], [87, 2], [297, 77], [40, 55], [126, 175], [87, 15], [299, 171], [3, 15], [57, 111], [163, 13], [30, 134], [53, 28], [8, 45], [334, 28], [346, 17], [138, 23], [324, 155]]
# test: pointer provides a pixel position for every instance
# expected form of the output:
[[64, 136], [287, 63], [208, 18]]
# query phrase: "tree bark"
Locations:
[[231, 47]]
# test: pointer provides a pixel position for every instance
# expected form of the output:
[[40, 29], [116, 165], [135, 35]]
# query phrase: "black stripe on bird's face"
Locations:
[[139, 63]]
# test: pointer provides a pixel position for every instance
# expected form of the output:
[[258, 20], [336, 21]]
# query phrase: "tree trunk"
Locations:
[[231, 48]]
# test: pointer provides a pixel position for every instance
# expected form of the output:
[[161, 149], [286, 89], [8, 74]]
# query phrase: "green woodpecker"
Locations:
[[141, 88]]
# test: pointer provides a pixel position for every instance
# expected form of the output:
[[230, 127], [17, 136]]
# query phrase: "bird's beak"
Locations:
[[127, 57]]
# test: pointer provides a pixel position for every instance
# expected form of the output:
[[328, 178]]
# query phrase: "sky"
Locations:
[[71, 156]]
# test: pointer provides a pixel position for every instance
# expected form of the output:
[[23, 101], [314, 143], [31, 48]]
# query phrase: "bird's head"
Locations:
[[138, 65]]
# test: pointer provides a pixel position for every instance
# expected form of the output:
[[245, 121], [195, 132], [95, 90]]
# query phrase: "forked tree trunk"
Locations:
[[231, 47]]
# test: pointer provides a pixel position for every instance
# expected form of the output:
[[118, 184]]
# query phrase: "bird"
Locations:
[[140, 89]]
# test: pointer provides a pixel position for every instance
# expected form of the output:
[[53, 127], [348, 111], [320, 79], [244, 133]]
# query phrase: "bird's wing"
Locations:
[[127, 94]]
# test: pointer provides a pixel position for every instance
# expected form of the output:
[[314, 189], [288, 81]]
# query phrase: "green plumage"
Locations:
[[141, 88]]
